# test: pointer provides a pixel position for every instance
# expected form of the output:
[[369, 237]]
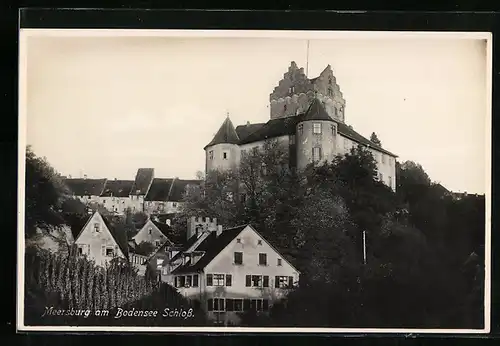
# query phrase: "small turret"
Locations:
[[222, 153]]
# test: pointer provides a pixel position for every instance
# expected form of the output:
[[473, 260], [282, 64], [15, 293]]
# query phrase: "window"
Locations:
[[216, 304], [238, 258], [280, 262], [195, 280], [316, 154], [229, 280], [383, 159], [225, 155], [291, 140], [259, 242], [263, 259], [218, 279], [210, 280], [189, 281], [334, 132], [234, 305], [150, 231], [238, 240], [110, 252], [317, 128], [174, 204], [97, 227], [157, 243], [80, 250], [243, 198], [291, 89], [182, 281], [256, 281], [283, 282], [211, 154], [301, 129], [390, 181]]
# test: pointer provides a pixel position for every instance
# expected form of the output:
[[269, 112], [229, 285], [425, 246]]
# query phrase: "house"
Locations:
[[229, 271], [116, 195], [96, 238], [307, 116], [154, 232], [143, 194]]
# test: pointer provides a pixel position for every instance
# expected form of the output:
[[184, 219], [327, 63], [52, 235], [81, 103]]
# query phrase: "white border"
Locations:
[[317, 35]]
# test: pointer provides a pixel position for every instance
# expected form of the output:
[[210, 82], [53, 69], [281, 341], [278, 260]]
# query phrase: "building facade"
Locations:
[[145, 193], [307, 116], [229, 271]]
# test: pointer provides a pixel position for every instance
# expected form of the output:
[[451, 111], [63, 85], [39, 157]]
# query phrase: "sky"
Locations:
[[106, 106]]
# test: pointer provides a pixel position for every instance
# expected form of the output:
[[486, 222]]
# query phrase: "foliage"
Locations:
[[45, 193], [144, 248], [75, 283], [424, 249]]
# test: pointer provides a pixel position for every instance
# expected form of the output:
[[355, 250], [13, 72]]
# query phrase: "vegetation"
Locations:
[[425, 249]]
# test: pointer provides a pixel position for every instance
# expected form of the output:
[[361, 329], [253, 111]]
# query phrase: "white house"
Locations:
[[99, 241], [229, 271], [154, 232]]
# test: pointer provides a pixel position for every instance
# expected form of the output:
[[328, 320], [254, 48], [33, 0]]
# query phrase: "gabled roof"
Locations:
[[244, 131], [117, 188], [273, 128], [119, 236], [143, 180], [179, 187], [86, 187], [316, 111], [212, 246], [164, 228], [159, 190], [76, 222], [226, 134]]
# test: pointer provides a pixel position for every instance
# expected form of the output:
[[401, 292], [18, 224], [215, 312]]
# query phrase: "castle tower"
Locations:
[[316, 135], [223, 152], [295, 92]]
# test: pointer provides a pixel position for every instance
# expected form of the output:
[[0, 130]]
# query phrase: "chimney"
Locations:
[[85, 176], [219, 230], [168, 222]]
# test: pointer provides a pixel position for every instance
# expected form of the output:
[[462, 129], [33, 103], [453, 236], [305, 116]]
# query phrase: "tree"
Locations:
[[45, 194], [374, 139], [144, 248]]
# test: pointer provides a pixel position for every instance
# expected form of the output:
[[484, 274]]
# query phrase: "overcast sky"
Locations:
[[105, 106]]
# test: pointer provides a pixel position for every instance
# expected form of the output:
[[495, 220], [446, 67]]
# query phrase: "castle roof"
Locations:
[[287, 125], [316, 111], [226, 134], [159, 190]]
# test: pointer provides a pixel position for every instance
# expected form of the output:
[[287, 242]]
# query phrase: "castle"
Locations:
[[307, 116]]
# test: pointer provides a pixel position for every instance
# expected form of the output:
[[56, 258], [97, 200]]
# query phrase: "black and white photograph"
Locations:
[[233, 181]]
